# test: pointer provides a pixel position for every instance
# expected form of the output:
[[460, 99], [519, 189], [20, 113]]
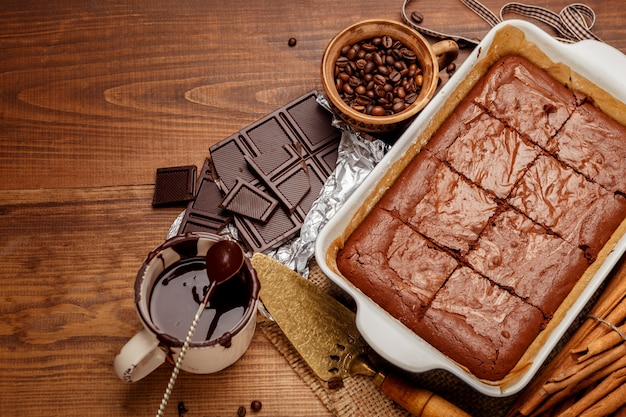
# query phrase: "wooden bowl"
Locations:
[[427, 56]]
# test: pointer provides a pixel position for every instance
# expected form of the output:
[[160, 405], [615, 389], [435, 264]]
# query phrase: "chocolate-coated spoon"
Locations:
[[223, 259]]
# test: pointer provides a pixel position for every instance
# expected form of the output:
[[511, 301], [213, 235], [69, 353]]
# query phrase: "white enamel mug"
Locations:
[[151, 346]]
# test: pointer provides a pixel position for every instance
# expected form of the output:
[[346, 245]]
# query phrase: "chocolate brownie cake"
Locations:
[[486, 231]]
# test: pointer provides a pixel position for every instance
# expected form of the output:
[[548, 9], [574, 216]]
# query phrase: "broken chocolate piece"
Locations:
[[261, 237], [249, 200], [204, 214], [174, 186], [227, 157], [312, 123], [290, 184]]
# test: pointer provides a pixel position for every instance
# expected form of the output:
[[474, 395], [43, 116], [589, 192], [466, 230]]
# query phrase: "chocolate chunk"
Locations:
[[290, 184], [227, 157], [261, 237], [250, 201], [196, 222], [174, 186], [204, 214], [269, 134], [267, 164], [312, 123]]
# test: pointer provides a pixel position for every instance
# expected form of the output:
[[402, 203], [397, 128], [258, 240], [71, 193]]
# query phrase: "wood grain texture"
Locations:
[[95, 95]]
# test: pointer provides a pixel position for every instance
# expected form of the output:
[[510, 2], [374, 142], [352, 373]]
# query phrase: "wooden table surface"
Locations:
[[95, 95]]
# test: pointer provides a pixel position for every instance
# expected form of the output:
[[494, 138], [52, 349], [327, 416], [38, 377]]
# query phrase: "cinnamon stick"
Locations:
[[552, 398], [601, 344], [579, 371], [609, 404], [604, 388], [615, 316]]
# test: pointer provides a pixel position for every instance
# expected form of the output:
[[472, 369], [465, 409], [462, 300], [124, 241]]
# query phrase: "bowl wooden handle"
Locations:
[[417, 401], [446, 52]]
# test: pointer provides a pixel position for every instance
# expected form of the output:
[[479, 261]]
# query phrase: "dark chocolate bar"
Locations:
[[287, 156], [174, 185]]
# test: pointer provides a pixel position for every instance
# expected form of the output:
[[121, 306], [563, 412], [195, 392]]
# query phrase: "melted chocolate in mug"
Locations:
[[178, 292]]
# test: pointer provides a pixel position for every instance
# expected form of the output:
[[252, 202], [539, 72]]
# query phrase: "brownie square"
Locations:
[[518, 254], [453, 212], [595, 145], [479, 324], [564, 201], [491, 155], [533, 103], [396, 265]]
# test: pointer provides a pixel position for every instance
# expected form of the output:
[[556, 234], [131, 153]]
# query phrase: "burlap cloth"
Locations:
[[360, 397]]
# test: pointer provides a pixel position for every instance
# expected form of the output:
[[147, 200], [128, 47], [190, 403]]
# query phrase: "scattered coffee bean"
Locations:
[[417, 17], [379, 76], [335, 383], [241, 411], [292, 42], [181, 409], [451, 68], [256, 405]]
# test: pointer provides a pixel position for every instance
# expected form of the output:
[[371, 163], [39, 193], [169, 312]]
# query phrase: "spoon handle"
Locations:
[[181, 356]]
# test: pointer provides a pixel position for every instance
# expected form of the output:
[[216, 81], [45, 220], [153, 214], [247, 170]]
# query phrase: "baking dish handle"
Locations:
[[387, 336]]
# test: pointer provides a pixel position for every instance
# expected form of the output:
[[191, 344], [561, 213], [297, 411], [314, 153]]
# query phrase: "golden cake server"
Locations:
[[324, 333]]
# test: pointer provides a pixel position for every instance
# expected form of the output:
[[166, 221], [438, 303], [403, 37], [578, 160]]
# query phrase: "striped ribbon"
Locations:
[[573, 23]]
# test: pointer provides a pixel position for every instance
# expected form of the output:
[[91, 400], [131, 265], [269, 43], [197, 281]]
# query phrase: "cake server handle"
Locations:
[[417, 401]]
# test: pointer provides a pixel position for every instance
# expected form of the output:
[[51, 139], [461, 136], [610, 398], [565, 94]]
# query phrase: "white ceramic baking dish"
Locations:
[[588, 66]]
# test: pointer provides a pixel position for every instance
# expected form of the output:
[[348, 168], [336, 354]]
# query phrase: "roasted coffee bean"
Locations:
[[398, 106], [354, 81], [410, 99], [417, 17], [369, 67], [292, 42], [387, 42], [378, 111], [241, 411], [182, 410], [335, 383], [256, 405], [409, 55], [380, 79], [368, 47], [378, 59], [451, 68], [342, 61], [378, 76]]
